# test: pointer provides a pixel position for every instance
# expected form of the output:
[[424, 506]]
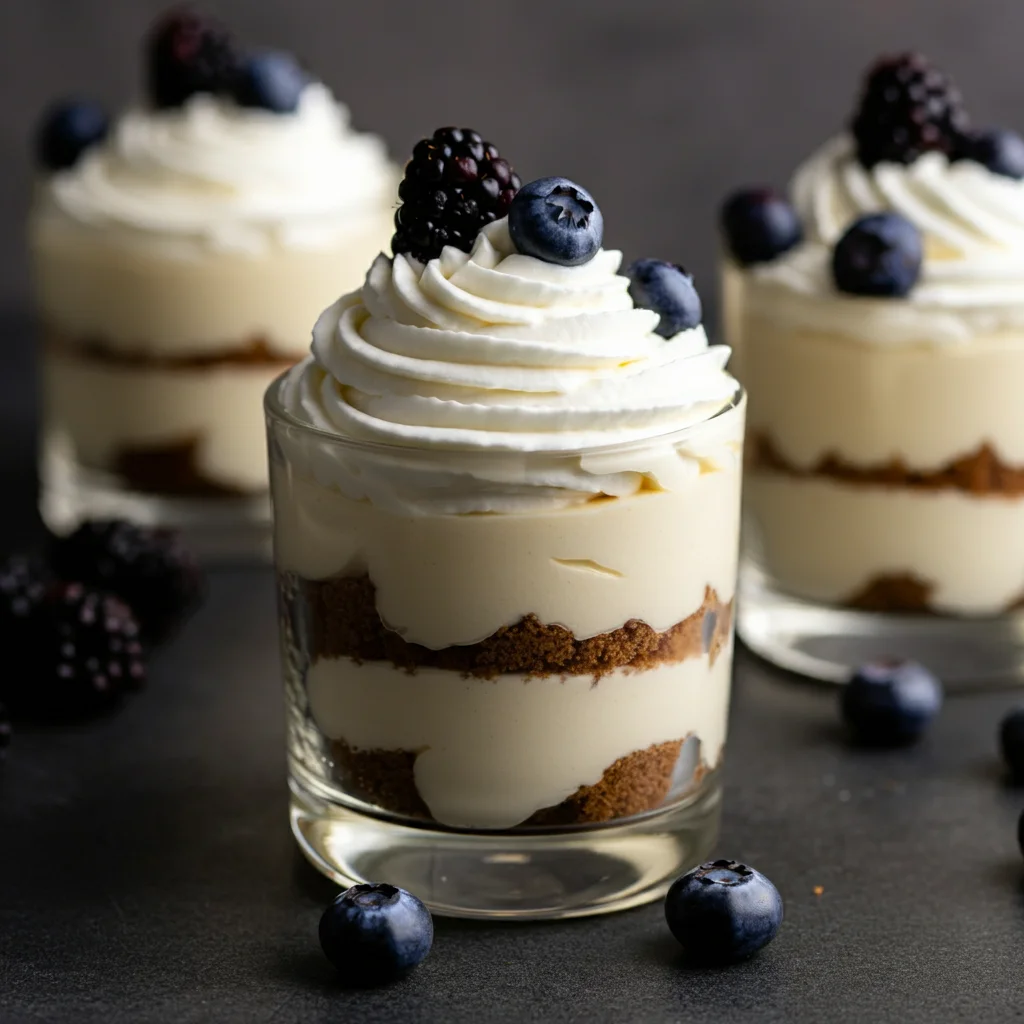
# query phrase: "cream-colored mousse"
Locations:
[[203, 231], [492, 753], [99, 409], [730, 282], [827, 540], [589, 567]]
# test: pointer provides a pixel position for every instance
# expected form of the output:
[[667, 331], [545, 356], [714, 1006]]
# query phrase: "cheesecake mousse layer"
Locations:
[[126, 417], [493, 753]]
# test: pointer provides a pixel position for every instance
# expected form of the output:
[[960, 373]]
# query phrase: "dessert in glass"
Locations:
[[506, 494], [178, 260], [881, 336]]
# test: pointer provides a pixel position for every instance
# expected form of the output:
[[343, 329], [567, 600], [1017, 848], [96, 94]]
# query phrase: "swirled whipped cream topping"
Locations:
[[228, 176], [492, 352], [972, 222]]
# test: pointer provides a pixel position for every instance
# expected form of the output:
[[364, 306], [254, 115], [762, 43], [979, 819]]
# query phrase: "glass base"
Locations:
[[827, 643], [509, 875], [217, 530]]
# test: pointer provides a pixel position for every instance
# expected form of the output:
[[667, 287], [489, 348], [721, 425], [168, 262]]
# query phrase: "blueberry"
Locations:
[[1011, 742], [271, 81], [667, 289], [723, 911], [759, 225], [556, 221], [998, 149], [890, 703], [880, 254], [67, 130], [375, 932]]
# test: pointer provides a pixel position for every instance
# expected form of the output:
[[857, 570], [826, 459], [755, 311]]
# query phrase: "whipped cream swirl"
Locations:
[[972, 222], [229, 176], [491, 352]]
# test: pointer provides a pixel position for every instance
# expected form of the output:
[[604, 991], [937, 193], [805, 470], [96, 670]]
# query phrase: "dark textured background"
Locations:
[[657, 106], [146, 870]]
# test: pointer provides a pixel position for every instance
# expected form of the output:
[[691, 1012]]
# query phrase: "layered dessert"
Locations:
[[506, 494], [180, 255], [882, 343]]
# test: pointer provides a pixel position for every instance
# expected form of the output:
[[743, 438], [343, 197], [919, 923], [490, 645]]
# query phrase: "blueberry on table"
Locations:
[[1011, 742], [67, 130], [668, 290], [723, 911], [998, 149], [890, 703], [271, 81], [556, 221], [880, 254], [759, 225], [375, 932]]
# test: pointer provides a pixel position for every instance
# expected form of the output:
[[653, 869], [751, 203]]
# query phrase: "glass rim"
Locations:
[[276, 412]]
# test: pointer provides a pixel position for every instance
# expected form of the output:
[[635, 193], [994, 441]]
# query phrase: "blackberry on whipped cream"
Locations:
[[178, 261], [506, 518], [887, 438]]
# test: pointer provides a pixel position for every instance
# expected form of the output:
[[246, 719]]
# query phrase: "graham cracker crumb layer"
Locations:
[[634, 784], [252, 351], [978, 472], [893, 592], [345, 623], [168, 469]]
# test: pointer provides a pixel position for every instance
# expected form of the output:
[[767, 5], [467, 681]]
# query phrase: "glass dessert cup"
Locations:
[[513, 715], [850, 556]]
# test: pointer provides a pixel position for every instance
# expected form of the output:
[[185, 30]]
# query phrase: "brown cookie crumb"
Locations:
[[978, 472], [894, 592], [345, 623], [634, 784]]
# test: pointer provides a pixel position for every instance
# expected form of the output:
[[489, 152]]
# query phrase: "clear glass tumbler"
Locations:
[[510, 714], [883, 514]]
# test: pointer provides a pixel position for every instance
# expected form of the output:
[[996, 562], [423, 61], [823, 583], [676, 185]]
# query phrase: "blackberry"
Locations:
[[188, 53], [23, 585], [907, 108], [454, 185], [148, 568], [86, 655]]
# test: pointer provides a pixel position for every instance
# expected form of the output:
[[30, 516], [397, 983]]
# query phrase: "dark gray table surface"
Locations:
[[146, 869], [147, 873]]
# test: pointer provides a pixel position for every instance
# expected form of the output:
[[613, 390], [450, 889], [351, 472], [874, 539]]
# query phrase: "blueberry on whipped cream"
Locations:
[[454, 185], [999, 150], [556, 221], [759, 224], [879, 254], [67, 130], [668, 290], [271, 81]]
